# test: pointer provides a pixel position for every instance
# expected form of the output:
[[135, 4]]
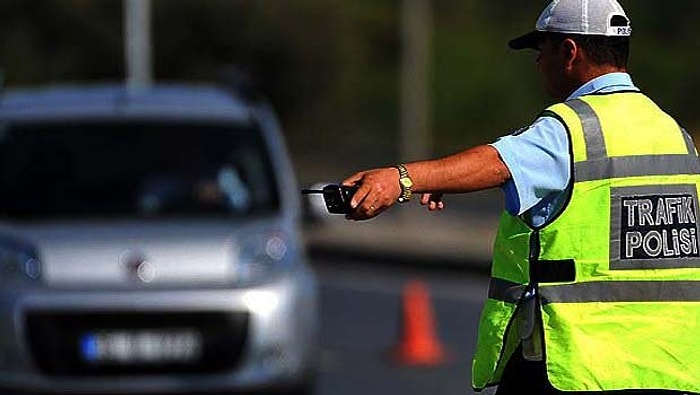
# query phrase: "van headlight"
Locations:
[[19, 262], [260, 254]]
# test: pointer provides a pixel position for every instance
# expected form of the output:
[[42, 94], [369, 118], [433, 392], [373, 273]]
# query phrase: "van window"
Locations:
[[134, 169]]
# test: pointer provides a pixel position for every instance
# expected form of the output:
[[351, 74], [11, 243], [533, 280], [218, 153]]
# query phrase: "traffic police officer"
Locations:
[[595, 282]]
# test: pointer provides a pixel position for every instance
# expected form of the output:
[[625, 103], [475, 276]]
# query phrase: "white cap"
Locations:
[[588, 17]]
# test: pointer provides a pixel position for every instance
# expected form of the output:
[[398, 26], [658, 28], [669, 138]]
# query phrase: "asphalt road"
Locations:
[[363, 306]]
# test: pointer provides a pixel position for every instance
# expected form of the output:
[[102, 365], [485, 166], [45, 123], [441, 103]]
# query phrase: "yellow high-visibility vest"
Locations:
[[615, 277]]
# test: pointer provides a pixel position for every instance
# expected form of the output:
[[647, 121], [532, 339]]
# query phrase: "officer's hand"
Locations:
[[433, 200], [378, 190]]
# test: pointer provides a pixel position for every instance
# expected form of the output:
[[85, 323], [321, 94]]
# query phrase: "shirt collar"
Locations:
[[610, 82]]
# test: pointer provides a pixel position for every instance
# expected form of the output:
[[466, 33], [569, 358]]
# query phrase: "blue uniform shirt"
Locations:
[[538, 158]]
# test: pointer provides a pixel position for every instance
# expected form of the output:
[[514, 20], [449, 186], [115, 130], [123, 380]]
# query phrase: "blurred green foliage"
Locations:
[[331, 68]]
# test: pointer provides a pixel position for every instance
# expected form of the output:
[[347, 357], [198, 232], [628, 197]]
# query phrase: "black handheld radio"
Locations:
[[336, 197]]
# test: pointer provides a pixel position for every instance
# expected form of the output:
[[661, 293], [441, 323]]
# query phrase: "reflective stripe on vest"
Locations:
[[603, 291]]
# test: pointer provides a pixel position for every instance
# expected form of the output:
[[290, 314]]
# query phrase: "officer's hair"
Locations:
[[602, 50]]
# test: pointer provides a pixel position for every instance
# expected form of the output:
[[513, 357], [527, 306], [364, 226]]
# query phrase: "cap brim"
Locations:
[[530, 40]]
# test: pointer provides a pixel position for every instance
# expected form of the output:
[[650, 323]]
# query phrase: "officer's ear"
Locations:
[[570, 51]]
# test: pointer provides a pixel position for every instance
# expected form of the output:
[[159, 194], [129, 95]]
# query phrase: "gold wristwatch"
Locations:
[[405, 183]]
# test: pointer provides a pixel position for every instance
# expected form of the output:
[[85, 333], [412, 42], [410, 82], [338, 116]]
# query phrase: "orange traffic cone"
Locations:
[[418, 344]]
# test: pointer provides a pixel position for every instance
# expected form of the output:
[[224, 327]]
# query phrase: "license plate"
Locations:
[[141, 346]]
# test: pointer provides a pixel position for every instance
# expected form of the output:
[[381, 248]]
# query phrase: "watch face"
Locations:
[[406, 182]]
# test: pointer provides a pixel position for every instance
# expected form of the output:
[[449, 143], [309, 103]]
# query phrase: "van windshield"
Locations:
[[134, 169]]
